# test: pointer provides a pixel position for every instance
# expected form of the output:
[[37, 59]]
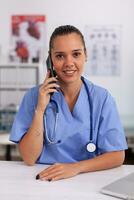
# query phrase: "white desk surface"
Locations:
[[17, 182], [4, 139]]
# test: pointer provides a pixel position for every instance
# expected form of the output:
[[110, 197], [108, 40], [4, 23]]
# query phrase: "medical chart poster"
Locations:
[[27, 38], [103, 45]]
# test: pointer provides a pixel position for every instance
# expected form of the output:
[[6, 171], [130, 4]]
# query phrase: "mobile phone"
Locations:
[[50, 67]]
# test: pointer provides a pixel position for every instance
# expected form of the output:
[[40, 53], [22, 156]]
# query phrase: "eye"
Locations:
[[76, 54], [59, 56]]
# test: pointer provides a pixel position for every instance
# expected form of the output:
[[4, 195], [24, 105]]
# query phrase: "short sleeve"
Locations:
[[111, 135], [24, 116]]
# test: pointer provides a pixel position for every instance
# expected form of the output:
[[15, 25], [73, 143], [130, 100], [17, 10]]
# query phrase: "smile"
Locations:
[[69, 72]]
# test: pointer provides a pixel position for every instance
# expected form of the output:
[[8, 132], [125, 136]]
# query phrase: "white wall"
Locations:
[[80, 13]]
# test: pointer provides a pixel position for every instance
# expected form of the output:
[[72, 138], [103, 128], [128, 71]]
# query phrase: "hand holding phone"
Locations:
[[48, 87]]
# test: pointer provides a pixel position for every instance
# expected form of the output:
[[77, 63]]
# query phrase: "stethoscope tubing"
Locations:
[[51, 141], [91, 110], [90, 143]]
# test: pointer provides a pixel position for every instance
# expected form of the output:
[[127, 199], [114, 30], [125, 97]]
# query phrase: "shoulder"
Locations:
[[31, 96], [32, 92], [96, 91]]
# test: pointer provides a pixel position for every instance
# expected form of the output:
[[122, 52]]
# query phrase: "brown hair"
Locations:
[[65, 30]]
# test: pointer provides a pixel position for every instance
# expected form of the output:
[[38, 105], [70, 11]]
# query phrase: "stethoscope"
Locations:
[[91, 147]]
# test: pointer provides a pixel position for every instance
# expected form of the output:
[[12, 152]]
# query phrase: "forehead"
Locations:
[[69, 41]]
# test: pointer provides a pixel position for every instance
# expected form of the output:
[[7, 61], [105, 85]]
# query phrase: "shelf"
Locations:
[[15, 80]]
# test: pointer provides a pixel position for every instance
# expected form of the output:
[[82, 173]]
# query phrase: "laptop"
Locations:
[[122, 188]]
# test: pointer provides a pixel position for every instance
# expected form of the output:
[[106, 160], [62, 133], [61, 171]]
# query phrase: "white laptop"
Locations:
[[122, 188]]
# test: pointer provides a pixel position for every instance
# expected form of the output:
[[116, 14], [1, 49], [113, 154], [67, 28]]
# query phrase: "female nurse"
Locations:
[[68, 122]]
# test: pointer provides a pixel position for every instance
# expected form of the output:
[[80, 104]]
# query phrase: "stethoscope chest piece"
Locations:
[[91, 147]]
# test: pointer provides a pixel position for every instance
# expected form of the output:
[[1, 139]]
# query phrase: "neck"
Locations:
[[71, 92], [71, 89]]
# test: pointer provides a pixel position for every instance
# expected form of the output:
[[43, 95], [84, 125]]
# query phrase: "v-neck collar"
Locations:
[[65, 106]]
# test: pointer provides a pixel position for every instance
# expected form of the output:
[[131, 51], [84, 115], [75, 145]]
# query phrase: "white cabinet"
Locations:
[[15, 80]]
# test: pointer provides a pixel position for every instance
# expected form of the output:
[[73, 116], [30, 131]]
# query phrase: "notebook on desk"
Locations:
[[122, 188]]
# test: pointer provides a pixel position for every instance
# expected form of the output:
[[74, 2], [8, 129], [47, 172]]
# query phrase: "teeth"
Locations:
[[69, 72]]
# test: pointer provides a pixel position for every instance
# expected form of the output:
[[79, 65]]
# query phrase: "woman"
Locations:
[[68, 121]]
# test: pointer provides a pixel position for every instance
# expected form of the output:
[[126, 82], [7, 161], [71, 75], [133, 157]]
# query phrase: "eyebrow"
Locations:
[[75, 50]]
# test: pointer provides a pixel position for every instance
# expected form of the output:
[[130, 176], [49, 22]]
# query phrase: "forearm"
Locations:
[[102, 162], [32, 143]]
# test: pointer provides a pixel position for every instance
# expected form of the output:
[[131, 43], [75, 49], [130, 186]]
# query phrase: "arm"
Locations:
[[31, 144], [102, 162]]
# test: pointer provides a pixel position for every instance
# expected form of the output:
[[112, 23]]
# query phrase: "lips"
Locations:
[[69, 72]]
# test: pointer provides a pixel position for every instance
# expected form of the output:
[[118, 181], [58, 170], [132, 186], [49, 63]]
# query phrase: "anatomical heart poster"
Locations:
[[28, 36]]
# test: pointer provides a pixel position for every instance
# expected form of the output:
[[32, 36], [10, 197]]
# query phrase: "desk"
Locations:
[[17, 182]]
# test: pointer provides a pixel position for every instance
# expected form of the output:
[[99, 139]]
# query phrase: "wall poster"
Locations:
[[103, 50], [27, 38]]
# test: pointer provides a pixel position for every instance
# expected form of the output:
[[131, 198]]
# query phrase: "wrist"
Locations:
[[77, 166], [39, 110]]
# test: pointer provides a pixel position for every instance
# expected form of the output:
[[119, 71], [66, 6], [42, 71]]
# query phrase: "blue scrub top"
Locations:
[[71, 131]]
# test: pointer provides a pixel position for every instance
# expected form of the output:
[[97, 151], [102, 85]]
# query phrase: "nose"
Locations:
[[69, 61]]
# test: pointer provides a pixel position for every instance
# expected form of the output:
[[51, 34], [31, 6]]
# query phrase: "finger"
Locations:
[[52, 168], [51, 175], [57, 177], [47, 76], [48, 91], [49, 80], [50, 86], [48, 169], [51, 90]]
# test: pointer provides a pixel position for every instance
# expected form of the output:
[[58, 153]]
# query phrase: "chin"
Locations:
[[70, 79]]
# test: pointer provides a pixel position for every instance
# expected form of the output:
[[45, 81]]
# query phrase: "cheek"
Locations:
[[81, 65], [57, 68], [56, 65]]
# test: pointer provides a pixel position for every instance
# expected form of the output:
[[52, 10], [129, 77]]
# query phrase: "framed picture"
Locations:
[[103, 50], [27, 38]]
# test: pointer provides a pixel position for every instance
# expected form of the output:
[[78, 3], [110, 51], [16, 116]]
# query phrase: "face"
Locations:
[[68, 57]]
